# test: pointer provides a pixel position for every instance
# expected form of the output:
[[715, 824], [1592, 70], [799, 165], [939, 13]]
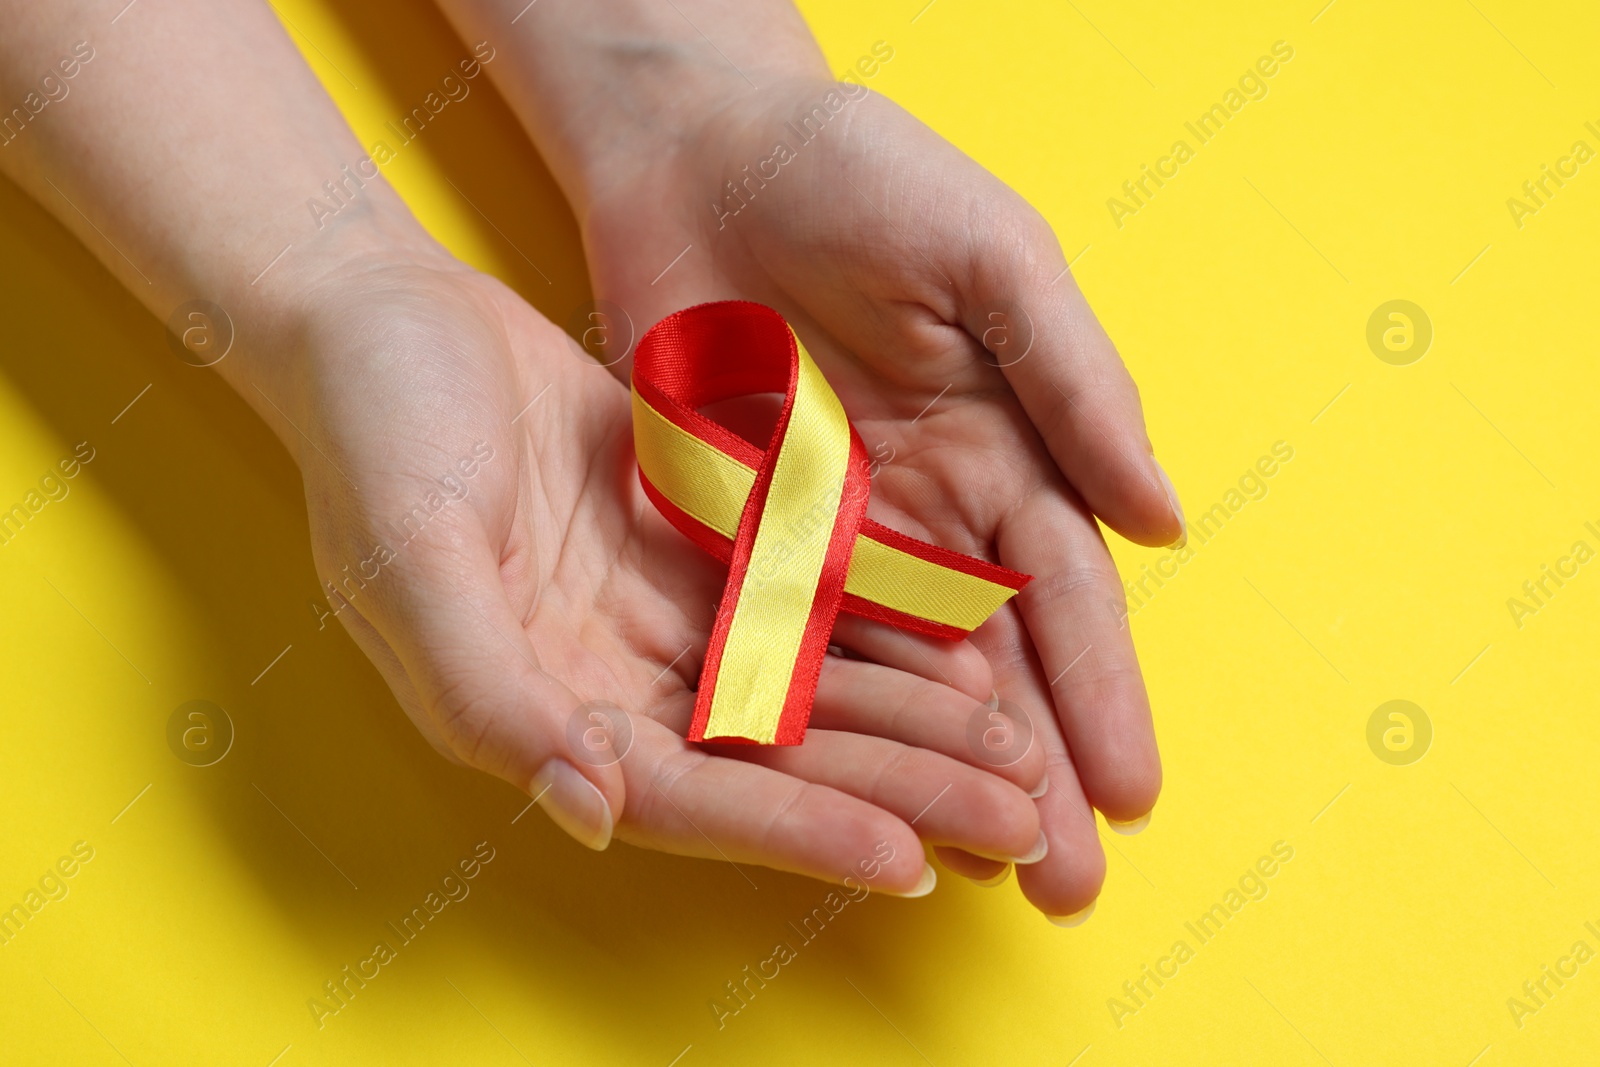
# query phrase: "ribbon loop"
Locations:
[[790, 521]]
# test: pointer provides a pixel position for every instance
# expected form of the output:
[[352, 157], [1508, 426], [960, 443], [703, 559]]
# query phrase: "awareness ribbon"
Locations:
[[790, 521]]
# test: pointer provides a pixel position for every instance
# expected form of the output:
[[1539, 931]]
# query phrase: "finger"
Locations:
[[442, 607], [1065, 883], [684, 800], [866, 698], [1022, 305], [985, 872], [947, 802], [1074, 613], [955, 663]]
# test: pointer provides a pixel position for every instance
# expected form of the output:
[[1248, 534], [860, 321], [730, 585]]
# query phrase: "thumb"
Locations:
[[477, 675], [1025, 309]]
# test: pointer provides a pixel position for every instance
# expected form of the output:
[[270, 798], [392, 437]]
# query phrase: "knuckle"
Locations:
[[999, 803], [1072, 581], [467, 716], [788, 812], [902, 713], [653, 807], [901, 765], [1107, 682]]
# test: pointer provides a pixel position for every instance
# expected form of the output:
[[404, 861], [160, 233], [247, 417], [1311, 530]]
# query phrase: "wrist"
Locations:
[[276, 322], [617, 88], [358, 246], [665, 114]]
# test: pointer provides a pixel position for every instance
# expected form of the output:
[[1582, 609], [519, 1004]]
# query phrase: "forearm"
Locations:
[[181, 143], [610, 87]]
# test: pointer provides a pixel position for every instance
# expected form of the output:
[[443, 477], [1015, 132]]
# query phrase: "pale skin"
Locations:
[[380, 361]]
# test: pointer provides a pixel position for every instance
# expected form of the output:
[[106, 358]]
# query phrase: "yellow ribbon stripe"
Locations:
[[780, 583], [711, 486]]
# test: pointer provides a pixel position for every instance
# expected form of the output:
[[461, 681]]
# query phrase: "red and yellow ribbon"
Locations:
[[790, 521]]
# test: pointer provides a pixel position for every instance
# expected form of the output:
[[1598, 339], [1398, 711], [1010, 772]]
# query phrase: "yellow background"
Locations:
[[1378, 567]]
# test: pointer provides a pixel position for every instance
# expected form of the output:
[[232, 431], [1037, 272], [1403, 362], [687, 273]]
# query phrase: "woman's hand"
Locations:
[[476, 475], [938, 304], [709, 154]]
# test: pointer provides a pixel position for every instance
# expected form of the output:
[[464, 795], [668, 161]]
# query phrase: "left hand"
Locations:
[[939, 304]]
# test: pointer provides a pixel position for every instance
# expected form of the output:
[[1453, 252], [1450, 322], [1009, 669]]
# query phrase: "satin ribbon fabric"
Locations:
[[790, 520]]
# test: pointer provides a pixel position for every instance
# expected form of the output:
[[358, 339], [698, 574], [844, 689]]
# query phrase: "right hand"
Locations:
[[552, 582]]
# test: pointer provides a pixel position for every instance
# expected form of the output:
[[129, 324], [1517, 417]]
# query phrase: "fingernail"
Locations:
[[994, 699], [1077, 918], [1036, 853], [1130, 827], [990, 883], [573, 803], [1177, 508], [1042, 789], [923, 887]]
